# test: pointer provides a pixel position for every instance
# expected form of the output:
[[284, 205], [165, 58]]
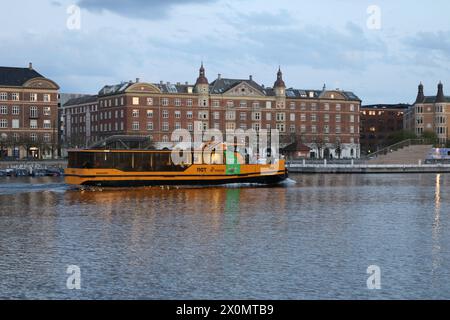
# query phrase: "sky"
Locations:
[[381, 50]]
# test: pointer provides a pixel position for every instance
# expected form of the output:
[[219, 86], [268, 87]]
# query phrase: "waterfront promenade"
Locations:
[[363, 168]]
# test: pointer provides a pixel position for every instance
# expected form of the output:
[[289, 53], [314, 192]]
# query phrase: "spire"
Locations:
[[279, 82], [420, 94], [440, 97], [201, 76]]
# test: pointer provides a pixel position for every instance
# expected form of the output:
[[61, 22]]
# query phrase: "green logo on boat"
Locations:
[[232, 165]]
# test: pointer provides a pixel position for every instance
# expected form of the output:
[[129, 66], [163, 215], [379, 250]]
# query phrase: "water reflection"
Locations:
[[312, 239]]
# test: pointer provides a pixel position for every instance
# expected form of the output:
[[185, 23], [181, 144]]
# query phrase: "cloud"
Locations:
[[430, 48], [142, 9]]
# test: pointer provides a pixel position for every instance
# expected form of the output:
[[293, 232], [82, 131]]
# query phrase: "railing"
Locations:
[[395, 147]]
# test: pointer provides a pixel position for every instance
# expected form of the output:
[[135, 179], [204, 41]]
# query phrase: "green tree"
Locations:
[[400, 136]]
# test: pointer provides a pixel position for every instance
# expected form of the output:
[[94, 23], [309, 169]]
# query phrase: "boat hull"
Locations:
[[115, 178]]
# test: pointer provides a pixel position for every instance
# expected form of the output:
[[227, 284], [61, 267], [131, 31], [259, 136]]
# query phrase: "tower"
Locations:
[[440, 98], [420, 94], [280, 90]]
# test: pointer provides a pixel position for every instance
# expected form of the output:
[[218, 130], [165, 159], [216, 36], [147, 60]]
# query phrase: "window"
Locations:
[[313, 117], [230, 126], [352, 129], [326, 129], [33, 96], [149, 126], [243, 104], [268, 104], [47, 124], [149, 113], [33, 124], [165, 138], [352, 118], [178, 102], [3, 123], [292, 116], [303, 117], [135, 101], [33, 137], [165, 114], [216, 115], [190, 126], [230, 104], [216, 103], [256, 126], [189, 114], [189, 102], [230, 115], [177, 125], [256, 105], [326, 107], [302, 129], [135, 125], [281, 127], [216, 125], [268, 116], [178, 114], [338, 129], [15, 123], [47, 111], [3, 96], [338, 107], [135, 113], [326, 118], [34, 112], [338, 118], [313, 129], [292, 128], [313, 106], [203, 115], [256, 116], [243, 126], [165, 126], [15, 96], [292, 105], [46, 97], [46, 137], [149, 101], [243, 116], [352, 107], [3, 110], [165, 101], [281, 116]]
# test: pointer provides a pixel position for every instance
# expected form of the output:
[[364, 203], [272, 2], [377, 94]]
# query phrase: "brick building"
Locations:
[[378, 123], [325, 120], [28, 113], [430, 113]]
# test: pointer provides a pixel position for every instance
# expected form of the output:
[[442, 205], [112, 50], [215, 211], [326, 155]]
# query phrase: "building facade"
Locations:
[[28, 114], [430, 113], [325, 120], [378, 123]]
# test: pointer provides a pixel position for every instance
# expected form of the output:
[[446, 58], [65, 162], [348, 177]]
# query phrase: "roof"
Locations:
[[400, 106], [222, 85], [432, 99], [17, 77], [81, 100], [296, 146]]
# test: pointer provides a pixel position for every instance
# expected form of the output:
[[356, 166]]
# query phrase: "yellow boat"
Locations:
[[135, 168]]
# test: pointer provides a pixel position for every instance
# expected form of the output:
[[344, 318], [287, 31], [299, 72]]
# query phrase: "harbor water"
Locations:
[[312, 237]]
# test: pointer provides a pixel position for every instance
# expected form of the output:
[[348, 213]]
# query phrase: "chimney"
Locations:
[[219, 76], [137, 80], [250, 77], [440, 95], [30, 65]]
